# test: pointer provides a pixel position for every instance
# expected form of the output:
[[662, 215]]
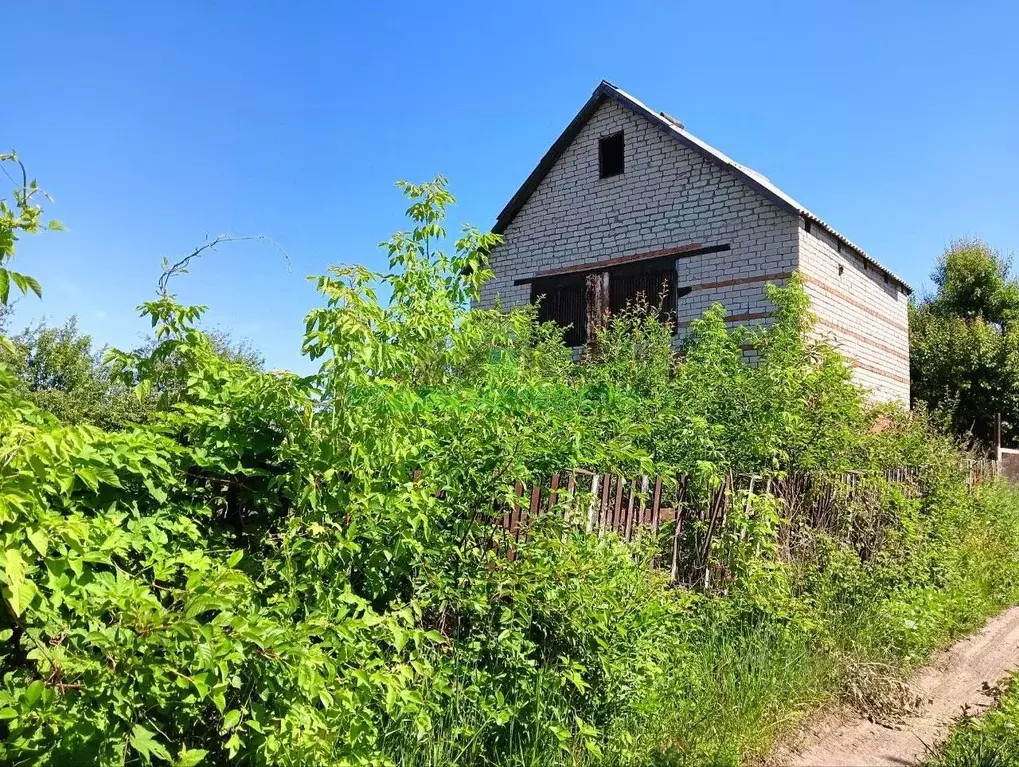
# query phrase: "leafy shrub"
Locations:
[[275, 569]]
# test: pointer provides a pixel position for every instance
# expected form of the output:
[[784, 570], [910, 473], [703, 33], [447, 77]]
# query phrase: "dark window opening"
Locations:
[[562, 300], [656, 283], [610, 156]]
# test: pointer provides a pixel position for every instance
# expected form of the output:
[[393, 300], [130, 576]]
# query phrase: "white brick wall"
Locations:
[[671, 196], [864, 312], [668, 196]]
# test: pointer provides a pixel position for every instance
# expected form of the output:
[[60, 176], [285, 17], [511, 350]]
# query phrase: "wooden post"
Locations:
[[618, 506], [677, 537], [643, 499], [656, 507], [593, 508], [747, 508], [628, 533], [553, 492], [597, 288], [603, 507], [997, 438], [571, 486]]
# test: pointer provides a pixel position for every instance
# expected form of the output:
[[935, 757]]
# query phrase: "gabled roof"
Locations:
[[676, 130]]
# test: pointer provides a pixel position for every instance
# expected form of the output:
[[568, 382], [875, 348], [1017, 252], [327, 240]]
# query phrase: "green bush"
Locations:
[[275, 569]]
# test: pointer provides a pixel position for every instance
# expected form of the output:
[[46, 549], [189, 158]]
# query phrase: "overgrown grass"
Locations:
[[851, 636]]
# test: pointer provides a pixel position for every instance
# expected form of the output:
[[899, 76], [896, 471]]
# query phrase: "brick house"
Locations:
[[628, 201]]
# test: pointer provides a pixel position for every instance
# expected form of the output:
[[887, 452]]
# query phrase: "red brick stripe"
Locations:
[[732, 318], [834, 326], [742, 281], [850, 300], [880, 372]]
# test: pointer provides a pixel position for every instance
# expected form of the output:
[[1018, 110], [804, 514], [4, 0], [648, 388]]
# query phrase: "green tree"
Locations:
[[964, 344], [59, 370], [974, 282]]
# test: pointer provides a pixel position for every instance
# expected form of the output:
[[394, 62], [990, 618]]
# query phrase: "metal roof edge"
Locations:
[[748, 176]]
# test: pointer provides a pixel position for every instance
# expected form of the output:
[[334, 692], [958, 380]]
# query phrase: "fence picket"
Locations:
[[593, 507], [656, 507], [677, 536], [620, 506], [643, 500], [603, 506], [628, 533]]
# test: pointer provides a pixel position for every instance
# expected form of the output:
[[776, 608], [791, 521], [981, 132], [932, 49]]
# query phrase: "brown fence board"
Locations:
[[631, 508]]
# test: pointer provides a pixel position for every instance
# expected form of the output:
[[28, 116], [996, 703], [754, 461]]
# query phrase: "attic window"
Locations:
[[610, 155]]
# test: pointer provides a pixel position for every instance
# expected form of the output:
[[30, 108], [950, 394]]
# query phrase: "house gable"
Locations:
[[860, 310], [676, 131], [669, 200]]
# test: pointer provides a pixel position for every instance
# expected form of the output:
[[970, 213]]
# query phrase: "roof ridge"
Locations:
[[756, 180]]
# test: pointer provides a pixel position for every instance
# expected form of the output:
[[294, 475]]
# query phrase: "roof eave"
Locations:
[[554, 152], [606, 90]]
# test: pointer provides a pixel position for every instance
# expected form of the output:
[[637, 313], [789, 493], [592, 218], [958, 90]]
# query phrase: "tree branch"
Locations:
[[180, 267]]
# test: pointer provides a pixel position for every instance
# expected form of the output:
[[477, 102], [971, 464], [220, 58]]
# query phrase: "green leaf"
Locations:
[[25, 283], [8, 713], [34, 692], [107, 475], [39, 540], [234, 558], [142, 390], [154, 491], [231, 720], [219, 700], [33, 283], [145, 743], [190, 757], [88, 475], [19, 590], [5, 286]]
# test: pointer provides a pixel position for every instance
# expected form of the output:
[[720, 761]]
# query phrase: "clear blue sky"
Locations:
[[154, 125]]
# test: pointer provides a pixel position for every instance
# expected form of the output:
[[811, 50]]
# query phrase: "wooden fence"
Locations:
[[694, 518]]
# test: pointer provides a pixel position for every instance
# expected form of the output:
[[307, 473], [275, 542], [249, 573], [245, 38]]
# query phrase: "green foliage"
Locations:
[[964, 347], [21, 214], [57, 369], [973, 282], [285, 570], [708, 410]]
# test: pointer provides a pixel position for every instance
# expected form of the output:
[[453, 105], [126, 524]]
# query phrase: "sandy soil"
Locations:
[[957, 680]]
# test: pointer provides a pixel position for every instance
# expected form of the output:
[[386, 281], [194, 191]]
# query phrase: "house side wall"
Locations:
[[861, 310], [669, 196]]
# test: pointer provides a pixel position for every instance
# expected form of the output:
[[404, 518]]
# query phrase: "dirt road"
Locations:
[[956, 680]]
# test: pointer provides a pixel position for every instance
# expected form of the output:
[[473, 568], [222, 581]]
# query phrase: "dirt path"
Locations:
[[956, 679]]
